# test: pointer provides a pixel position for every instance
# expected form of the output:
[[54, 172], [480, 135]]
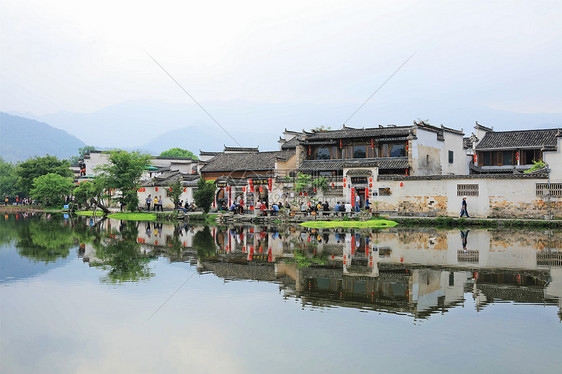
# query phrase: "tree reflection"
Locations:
[[44, 240], [204, 243], [123, 258]]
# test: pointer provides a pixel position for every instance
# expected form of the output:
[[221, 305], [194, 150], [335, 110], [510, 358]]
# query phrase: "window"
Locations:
[[555, 189], [384, 150], [467, 189], [451, 157], [530, 156], [398, 150], [359, 151], [323, 154], [486, 158], [508, 158], [384, 191]]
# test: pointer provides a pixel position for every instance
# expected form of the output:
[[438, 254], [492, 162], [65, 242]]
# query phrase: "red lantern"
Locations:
[[314, 189], [251, 181], [401, 184], [261, 189], [243, 189], [309, 150], [300, 193], [518, 156], [170, 189], [185, 189], [406, 147], [344, 184], [370, 179], [341, 144], [156, 189], [370, 185], [305, 194], [372, 143], [406, 171], [333, 184]]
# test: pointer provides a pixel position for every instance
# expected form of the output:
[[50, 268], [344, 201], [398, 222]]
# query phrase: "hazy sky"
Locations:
[[78, 56]]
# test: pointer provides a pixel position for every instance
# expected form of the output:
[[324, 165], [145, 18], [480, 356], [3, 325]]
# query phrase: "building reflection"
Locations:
[[417, 272]]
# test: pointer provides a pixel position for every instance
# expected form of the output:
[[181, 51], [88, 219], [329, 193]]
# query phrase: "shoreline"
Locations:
[[225, 218]]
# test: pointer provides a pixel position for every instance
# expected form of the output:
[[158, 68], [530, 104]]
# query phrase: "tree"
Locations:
[[51, 188], [91, 193], [204, 195], [81, 152], [302, 182], [321, 128], [28, 170], [176, 189], [123, 173], [179, 153], [8, 179]]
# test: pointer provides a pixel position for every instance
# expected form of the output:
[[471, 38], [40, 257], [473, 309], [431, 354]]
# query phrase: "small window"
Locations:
[[398, 150], [486, 158], [359, 151], [507, 158], [451, 157], [543, 190], [384, 191], [467, 190], [323, 154]]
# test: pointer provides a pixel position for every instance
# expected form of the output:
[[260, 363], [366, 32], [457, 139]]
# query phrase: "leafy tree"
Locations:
[[123, 173], [8, 179], [51, 188], [44, 240], [90, 193], [321, 128], [81, 152], [179, 152], [28, 170], [303, 182], [204, 195], [176, 189], [320, 183]]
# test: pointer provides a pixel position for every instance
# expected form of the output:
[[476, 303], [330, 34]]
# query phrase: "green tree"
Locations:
[[81, 152], [204, 195], [204, 244], [28, 170], [176, 189], [8, 179], [320, 183], [302, 182], [51, 189], [90, 194], [44, 240], [123, 173], [179, 152]]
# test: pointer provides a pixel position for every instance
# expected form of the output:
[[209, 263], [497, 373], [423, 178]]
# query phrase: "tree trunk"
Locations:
[[101, 206]]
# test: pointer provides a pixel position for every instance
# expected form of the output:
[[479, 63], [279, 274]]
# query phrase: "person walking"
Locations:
[[160, 203], [148, 202], [464, 209], [357, 203]]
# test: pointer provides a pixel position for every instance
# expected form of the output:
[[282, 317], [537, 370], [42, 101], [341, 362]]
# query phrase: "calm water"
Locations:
[[93, 296]]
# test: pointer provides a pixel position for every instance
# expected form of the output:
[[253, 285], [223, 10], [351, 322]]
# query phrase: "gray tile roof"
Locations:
[[291, 144], [524, 139], [241, 149], [246, 161], [536, 175], [348, 132], [382, 163]]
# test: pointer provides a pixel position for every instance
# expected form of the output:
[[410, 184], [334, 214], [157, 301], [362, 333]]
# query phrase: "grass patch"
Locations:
[[89, 213], [379, 223], [133, 216]]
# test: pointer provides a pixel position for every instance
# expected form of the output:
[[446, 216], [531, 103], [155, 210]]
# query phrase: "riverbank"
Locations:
[[300, 218]]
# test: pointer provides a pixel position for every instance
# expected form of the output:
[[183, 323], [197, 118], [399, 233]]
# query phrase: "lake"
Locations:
[[106, 296]]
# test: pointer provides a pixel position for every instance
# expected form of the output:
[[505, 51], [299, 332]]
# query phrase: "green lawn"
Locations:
[[371, 223], [133, 216], [89, 213]]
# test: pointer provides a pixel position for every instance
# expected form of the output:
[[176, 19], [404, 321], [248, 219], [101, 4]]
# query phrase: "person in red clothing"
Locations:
[[263, 208]]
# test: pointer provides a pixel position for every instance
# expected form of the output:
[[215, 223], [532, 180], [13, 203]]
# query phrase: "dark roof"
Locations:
[[537, 175], [246, 161], [241, 149], [348, 132], [523, 139], [171, 176], [467, 142], [382, 163], [291, 144], [205, 153]]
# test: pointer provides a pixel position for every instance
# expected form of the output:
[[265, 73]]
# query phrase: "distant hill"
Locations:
[[22, 138]]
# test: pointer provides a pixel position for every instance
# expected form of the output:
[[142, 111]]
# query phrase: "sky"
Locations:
[[75, 56]]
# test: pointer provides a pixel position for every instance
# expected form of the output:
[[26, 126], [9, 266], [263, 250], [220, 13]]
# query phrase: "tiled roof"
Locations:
[[519, 139], [246, 161], [241, 149], [381, 163], [537, 175], [206, 153], [348, 132], [291, 144], [467, 142], [171, 176]]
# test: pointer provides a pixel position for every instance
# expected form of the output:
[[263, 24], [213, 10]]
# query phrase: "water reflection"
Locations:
[[417, 272]]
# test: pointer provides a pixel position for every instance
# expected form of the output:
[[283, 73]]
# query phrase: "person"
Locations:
[[357, 203], [326, 206], [6, 200], [303, 207], [337, 207], [160, 203], [348, 207], [367, 204], [263, 207], [148, 201], [274, 209], [233, 207], [241, 205], [155, 202], [464, 209], [258, 206]]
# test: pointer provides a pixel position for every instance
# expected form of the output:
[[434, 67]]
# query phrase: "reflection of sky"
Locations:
[[66, 321]]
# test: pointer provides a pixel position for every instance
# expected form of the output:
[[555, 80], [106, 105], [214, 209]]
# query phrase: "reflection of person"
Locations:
[[464, 209], [464, 239]]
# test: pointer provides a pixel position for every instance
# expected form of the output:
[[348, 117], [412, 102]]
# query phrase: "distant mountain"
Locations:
[[22, 138], [156, 126]]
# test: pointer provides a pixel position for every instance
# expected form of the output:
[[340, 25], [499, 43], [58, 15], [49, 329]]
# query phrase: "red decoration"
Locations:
[[333, 184], [261, 189], [170, 189], [370, 185], [341, 144], [314, 189], [185, 189], [370, 179], [401, 184], [243, 189], [270, 183], [155, 188], [406, 171], [309, 150], [372, 143]]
